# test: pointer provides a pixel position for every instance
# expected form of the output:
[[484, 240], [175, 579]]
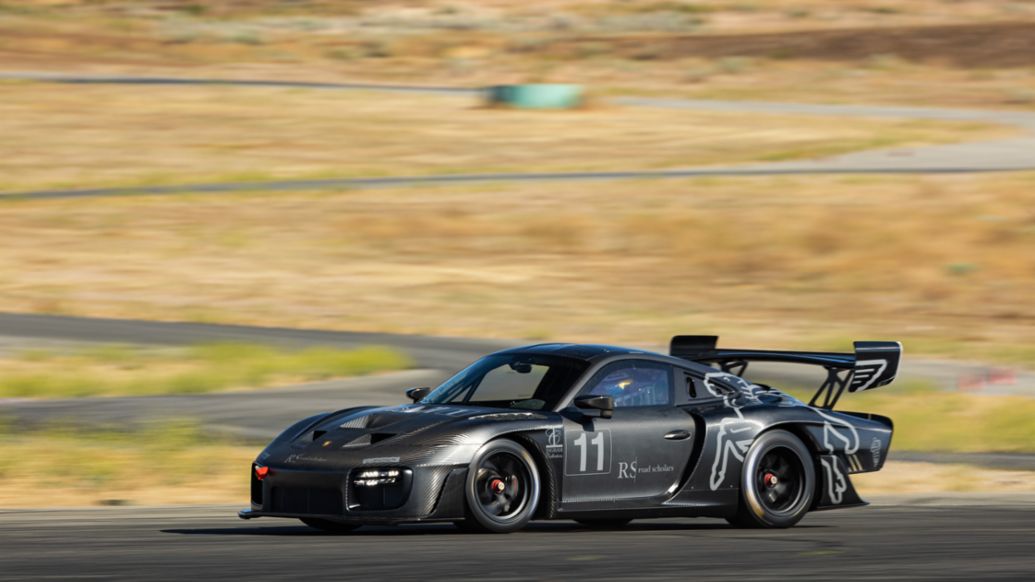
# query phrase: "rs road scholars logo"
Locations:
[[630, 469]]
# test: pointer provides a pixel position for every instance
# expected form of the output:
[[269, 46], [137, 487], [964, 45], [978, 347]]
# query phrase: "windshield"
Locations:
[[531, 382]]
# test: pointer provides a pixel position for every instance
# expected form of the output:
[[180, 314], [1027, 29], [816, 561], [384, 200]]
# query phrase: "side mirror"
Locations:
[[605, 404], [418, 394]]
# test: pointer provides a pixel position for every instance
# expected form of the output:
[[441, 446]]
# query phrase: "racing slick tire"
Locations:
[[777, 482], [600, 523], [502, 489], [325, 525]]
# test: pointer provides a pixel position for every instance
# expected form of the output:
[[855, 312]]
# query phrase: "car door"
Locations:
[[638, 453]]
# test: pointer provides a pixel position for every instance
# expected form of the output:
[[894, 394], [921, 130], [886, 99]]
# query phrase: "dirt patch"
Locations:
[[975, 46]]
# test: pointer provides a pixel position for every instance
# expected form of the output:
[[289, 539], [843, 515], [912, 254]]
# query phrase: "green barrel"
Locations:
[[537, 96]]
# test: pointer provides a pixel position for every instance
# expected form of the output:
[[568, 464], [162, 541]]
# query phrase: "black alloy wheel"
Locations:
[[778, 481], [502, 488]]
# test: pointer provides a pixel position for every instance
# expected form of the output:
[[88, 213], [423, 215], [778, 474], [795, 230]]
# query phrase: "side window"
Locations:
[[633, 383], [694, 387]]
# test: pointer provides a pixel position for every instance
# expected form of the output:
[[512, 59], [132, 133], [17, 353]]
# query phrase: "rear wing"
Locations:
[[871, 365]]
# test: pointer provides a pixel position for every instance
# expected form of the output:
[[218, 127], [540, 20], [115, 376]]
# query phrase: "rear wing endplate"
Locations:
[[871, 365]]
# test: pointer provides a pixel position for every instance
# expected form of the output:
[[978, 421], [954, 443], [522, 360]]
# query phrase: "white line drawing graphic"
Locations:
[[727, 444], [837, 483], [838, 434], [729, 441], [733, 438]]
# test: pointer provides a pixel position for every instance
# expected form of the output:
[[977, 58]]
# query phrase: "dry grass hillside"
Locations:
[[954, 52], [942, 262]]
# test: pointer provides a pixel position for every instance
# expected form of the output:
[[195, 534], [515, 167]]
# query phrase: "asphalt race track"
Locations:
[[991, 542]]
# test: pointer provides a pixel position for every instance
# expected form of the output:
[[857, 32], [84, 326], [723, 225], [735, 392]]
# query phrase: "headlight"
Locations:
[[376, 477], [378, 488]]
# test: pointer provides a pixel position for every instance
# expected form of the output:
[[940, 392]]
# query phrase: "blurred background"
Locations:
[[330, 204]]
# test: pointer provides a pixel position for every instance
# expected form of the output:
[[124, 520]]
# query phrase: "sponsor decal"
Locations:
[[631, 469], [376, 460], [303, 458], [875, 447], [627, 470], [555, 443]]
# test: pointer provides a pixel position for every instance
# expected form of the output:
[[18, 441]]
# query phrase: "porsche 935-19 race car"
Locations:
[[594, 433]]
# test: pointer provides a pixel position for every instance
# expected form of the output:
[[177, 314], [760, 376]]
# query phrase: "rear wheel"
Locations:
[[777, 482], [328, 526], [502, 488]]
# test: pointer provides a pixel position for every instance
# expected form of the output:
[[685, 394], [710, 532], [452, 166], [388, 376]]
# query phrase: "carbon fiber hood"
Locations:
[[407, 425]]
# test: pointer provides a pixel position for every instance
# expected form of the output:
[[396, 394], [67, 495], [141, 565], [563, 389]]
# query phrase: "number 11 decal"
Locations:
[[594, 454]]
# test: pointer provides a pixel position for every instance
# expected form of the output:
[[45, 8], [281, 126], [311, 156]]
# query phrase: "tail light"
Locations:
[[261, 471]]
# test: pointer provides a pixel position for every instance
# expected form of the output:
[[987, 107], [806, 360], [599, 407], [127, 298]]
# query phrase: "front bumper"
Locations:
[[420, 494]]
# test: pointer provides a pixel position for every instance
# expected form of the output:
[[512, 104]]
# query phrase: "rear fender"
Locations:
[[861, 440]]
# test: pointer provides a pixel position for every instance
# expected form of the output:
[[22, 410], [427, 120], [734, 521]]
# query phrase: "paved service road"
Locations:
[[427, 351], [1012, 153], [446, 354], [874, 543]]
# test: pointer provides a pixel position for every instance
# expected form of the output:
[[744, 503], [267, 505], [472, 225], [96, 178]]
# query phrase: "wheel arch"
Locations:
[[798, 429], [548, 485], [801, 432], [750, 517]]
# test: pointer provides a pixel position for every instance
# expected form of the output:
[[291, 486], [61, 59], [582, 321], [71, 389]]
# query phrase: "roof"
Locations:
[[596, 352], [588, 352]]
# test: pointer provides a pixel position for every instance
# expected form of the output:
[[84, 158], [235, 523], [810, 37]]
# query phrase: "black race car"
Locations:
[[594, 433]]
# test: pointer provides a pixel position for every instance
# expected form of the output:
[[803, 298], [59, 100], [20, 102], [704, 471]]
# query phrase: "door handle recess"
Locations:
[[677, 435]]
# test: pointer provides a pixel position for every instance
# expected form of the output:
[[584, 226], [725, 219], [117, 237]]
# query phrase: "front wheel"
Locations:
[[502, 488], [335, 527], [777, 482]]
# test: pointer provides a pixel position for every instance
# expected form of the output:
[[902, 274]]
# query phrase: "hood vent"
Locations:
[[373, 420], [383, 420], [360, 441], [358, 422]]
